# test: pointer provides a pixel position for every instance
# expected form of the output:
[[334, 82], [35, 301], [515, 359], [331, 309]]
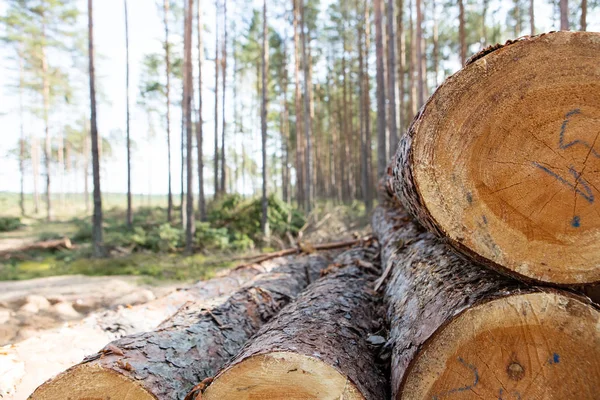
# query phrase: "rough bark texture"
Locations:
[[428, 285], [194, 343], [97, 329], [404, 183], [331, 321]]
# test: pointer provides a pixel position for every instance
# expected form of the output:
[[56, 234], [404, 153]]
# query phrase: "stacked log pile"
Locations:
[[485, 229], [188, 347]]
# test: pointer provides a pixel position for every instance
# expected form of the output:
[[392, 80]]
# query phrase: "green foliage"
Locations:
[[8, 224], [243, 216]]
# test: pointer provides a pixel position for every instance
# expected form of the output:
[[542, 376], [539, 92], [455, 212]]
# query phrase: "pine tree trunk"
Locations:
[[367, 104], [419, 53], [583, 20], [564, 15], [188, 94], [484, 11], [224, 82], [393, 128], [381, 120], [168, 98], [364, 170], [507, 201], [436, 50], [97, 241], [413, 63], [129, 211], [46, 110], [217, 61], [86, 173], [457, 327], [300, 170], [401, 51], [308, 115], [532, 18], [187, 348], [200, 127], [319, 346], [461, 32], [22, 139], [264, 222]]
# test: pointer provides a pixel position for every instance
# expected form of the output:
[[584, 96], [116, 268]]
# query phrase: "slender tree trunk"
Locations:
[[583, 20], [381, 142], [364, 170], [86, 172], [129, 211], [183, 164], [413, 63], [224, 66], [564, 15], [22, 139], [393, 128], [367, 104], [264, 222], [60, 160], [309, 194], [461, 32], [216, 160], [35, 161], [436, 50], [300, 171], [199, 129], [188, 91], [285, 130], [168, 98], [97, 220], [419, 46], [483, 23], [401, 48], [344, 158], [532, 18], [47, 143]]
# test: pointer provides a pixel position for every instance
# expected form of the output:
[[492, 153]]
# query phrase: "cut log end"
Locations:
[[91, 381], [503, 159], [282, 375], [529, 346]]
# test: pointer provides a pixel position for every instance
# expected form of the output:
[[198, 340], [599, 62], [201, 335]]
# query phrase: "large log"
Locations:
[[503, 159], [318, 346], [461, 331], [98, 328], [189, 347]]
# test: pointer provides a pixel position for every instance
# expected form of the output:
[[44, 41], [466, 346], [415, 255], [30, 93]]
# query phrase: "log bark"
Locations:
[[63, 243], [189, 347], [97, 329], [318, 346], [459, 330], [506, 175]]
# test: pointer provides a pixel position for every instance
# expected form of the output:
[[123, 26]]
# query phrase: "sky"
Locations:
[[149, 156]]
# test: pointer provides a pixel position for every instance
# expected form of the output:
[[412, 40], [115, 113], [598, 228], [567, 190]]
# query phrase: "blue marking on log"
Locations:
[[462, 388]]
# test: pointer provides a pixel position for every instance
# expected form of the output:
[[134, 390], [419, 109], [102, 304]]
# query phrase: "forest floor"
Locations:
[[45, 290]]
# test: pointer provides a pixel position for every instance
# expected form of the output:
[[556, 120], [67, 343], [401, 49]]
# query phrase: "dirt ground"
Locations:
[[28, 307]]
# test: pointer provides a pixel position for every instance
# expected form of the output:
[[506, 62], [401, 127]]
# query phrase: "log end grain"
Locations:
[[503, 159], [542, 345], [91, 381], [282, 375]]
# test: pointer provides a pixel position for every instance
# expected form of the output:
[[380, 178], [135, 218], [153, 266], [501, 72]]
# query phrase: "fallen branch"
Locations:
[[63, 243], [303, 248]]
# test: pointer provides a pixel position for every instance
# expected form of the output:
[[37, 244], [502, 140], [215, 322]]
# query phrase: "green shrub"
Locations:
[[8, 224]]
